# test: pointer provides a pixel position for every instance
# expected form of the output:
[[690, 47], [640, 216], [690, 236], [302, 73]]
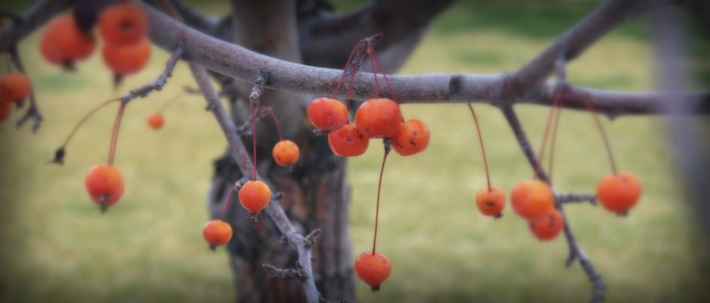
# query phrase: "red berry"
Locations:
[[373, 269], [378, 118], [254, 196], [15, 87], [285, 153], [63, 42], [531, 199], [619, 192], [123, 24], [125, 60], [348, 141], [217, 232], [411, 137], [155, 120], [491, 202], [5, 110], [327, 114], [548, 226], [105, 185]]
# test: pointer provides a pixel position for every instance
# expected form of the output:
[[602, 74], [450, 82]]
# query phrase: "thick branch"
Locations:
[[573, 42], [236, 61]]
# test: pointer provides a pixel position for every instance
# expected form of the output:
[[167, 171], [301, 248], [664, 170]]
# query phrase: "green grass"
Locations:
[[55, 246]]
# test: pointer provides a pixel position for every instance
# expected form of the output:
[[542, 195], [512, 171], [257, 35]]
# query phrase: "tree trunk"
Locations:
[[315, 190]]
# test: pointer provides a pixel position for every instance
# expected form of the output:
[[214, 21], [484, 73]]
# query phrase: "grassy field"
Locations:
[[56, 247]]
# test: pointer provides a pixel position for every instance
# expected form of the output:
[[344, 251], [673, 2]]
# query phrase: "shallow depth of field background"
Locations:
[[56, 247]]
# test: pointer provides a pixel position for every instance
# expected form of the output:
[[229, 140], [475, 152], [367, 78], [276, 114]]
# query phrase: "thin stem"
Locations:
[[114, 135], [598, 122], [86, 117], [270, 110], [354, 67], [388, 148], [172, 100], [373, 55], [556, 98], [226, 201], [253, 136], [374, 71], [483, 150], [553, 140], [345, 69]]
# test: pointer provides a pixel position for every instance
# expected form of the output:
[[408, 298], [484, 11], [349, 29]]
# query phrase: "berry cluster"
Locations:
[[254, 195], [375, 118], [123, 27]]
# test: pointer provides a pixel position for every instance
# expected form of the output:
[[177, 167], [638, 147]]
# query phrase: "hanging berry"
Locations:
[[619, 192], [373, 268], [216, 233], [123, 23], [327, 114], [285, 153], [491, 201], [348, 141], [412, 137], [547, 227], [155, 120], [531, 199], [378, 118], [62, 42], [104, 183], [254, 196]]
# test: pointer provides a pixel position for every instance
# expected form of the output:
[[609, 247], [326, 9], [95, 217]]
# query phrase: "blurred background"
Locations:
[[55, 246]]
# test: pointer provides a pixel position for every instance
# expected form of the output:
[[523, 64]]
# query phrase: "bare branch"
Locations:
[[236, 61], [576, 198], [158, 83], [572, 43], [284, 273], [32, 112], [575, 251]]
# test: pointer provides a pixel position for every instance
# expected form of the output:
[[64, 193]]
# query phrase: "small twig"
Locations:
[[575, 251], [576, 198], [311, 238], [284, 273], [158, 83], [32, 112]]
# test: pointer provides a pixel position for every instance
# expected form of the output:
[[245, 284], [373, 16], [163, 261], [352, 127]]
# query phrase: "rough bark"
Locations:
[[315, 195]]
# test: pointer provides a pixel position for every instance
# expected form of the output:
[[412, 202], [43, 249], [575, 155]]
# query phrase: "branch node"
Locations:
[[311, 238]]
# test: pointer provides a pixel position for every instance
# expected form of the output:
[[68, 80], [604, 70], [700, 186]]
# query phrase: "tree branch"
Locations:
[[236, 61], [575, 250]]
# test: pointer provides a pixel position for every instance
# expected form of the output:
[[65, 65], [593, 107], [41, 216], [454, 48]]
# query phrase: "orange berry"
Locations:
[[373, 269], [15, 87], [125, 60], [217, 232], [411, 137], [254, 196], [155, 120], [285, 153], [348, 141], [63, 42], [105, 185], [548, 226], [5, 110], [531, 199], [123, 24], [491, 202], [619, 192], [378, 118], [327, 114]]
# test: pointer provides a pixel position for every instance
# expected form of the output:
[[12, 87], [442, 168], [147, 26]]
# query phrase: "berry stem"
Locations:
[[373, 55], [388, 148], [353, 71], [551, 126], [86, 117], [114, 135], [175, 97], [270, 110], [253, 136], [226, 201], [598, 122], [553, 141], [483, 149], [348, 64]]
